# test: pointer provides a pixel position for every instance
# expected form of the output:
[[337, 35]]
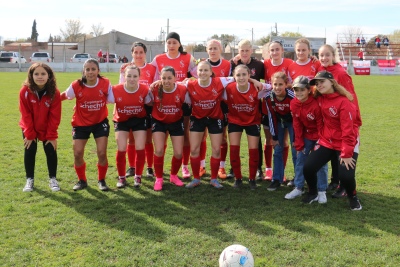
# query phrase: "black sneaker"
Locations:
[[150, 173], [80, 185], [290, 183], [274, 185], [130, 172], [102, 185], [259, 175], [355, 203], [230, 174], [340, 192], [238, 183], [253, 184], [308, 198], [332, 186]]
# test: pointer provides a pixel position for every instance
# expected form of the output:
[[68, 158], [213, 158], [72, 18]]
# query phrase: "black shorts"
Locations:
[[187, 109], [134, 124], [265, 121], [252, 130], [98, 130], [174, 129], [214, 126], [224, 108]]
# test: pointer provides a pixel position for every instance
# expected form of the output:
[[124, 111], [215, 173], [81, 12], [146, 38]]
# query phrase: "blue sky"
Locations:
[[195, 21]]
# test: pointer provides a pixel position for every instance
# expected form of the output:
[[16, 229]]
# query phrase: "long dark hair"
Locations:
[[90, 60], [50, 86], [161, 88]]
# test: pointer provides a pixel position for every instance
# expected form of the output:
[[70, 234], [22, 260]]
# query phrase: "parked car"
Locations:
[[11, 57], [40, 57], [112, 58], [80, 57]]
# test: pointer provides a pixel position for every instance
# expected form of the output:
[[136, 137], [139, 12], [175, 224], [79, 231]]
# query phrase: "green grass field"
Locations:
[[180, 227]]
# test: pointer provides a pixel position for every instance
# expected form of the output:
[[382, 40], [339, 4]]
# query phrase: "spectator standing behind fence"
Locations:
[[361, 54], [358, 41], [362, 41], [378, 42], [100, 56], [385, 41], [40, 107]]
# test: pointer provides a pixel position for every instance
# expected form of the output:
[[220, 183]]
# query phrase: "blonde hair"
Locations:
[[244, 42], [332, 50], [303, 41], [337, 88], [216, 42]]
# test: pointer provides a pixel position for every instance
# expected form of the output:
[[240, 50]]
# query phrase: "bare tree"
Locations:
[[72, 31], [351, 33], [97, 29]]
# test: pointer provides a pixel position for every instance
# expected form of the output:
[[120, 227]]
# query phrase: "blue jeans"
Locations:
[[279, 169], [322, 174]]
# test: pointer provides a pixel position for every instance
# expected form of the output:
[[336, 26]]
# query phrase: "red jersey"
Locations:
[[270, 68], [130, 104], [91, 102], [344, 79], [244, 107], [223, 69], [308, 69], [206, 101], [169, 108], [278, 110], [147, 73], [339, 131], [307, 121], [40, 118], [181, 64]]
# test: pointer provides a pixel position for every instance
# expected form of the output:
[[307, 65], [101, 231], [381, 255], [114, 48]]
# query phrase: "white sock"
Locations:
[[222, 164]]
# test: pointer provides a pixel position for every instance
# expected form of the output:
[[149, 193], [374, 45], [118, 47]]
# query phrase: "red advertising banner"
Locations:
[[362, 67], [387, 67], [344, 64]]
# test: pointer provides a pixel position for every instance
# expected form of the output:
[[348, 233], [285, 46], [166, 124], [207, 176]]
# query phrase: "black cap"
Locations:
[[173, 35], [300, 82], [321, 76]]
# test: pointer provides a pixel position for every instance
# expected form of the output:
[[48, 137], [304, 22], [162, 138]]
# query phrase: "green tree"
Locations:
[[225, 38], [34, 34], [291, 34], [265, 39]]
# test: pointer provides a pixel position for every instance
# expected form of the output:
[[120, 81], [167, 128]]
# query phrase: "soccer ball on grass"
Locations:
[[236, 256]]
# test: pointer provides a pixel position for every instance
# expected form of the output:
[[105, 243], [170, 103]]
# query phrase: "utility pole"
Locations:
[[252, 36]]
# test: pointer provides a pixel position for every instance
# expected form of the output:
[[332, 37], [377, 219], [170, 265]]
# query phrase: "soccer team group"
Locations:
[[309, 105]]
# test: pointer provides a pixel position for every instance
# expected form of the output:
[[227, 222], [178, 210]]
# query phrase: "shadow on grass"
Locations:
[[208, 210]]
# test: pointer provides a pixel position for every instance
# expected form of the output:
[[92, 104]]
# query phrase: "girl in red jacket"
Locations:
[[307, 120], [338, 139], [167, 116], [92, 93], [130, 116], [40, 107], [328, 63]]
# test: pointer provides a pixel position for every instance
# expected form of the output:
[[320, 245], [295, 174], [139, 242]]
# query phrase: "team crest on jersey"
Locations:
[[281, 108], [310, 117], [253, 72], [119, 99], [181, 64], [194, 93], [177, 99], [222, 73], [251, 98], [231, 96], [147, 73], [101, 94], [47, 104], [312, 68], [33, 101], [214, 92], [333, 111], [140, 99], [80, 94]]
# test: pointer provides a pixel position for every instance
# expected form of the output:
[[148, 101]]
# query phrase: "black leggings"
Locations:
[[319, 158], [30, 158]]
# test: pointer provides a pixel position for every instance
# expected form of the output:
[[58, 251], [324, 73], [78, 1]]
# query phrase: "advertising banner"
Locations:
[[344, 64], [362, 67], [386, 67]]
